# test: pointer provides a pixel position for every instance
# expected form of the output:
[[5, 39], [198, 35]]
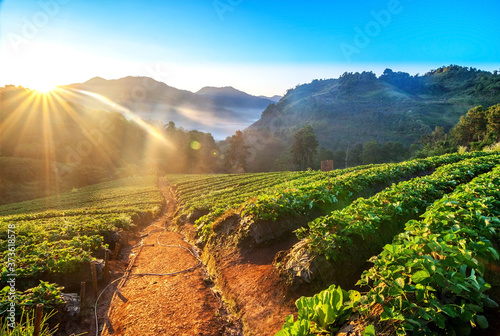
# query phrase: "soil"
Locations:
[[178, 304], [245, 296], [256, 290]]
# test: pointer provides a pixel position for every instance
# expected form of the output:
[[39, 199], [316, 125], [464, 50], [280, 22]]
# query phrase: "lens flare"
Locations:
[[195, 145]]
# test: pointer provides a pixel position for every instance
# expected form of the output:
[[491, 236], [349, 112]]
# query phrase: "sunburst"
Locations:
[[45, 88]]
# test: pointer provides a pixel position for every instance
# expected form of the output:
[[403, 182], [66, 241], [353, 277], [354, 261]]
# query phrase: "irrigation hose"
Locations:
[[146, 274]]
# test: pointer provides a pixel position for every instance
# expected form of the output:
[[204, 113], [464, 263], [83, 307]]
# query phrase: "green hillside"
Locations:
[[357, 108]]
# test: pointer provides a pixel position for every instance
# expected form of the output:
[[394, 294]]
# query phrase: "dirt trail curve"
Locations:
[[181, 304]]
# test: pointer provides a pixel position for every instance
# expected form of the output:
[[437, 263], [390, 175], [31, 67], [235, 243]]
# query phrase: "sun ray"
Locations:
[[151, 130]]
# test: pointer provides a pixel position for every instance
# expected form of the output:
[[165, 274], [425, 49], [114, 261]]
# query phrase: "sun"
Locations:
[[45, 88]]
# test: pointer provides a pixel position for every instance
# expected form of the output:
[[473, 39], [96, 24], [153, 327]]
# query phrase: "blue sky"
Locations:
[[262, 47]]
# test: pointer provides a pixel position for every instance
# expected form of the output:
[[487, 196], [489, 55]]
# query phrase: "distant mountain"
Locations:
[[242, 103], [230, 97], [358, 107], [274, 98], [220, 111]]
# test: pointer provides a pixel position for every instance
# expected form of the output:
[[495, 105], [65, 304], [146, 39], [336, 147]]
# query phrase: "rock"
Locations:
[[300, 263], [197, 214], [200, 242], [72, 306]]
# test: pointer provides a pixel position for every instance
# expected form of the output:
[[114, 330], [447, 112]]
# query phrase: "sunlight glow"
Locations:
[[150, 129], [45, 88]]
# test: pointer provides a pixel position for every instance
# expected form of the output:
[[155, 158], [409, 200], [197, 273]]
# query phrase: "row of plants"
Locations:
[[123, 192], [278, 195], [61, 241], [365, 220], [275, 203], [432, 278], [347, 238], [210, 192]]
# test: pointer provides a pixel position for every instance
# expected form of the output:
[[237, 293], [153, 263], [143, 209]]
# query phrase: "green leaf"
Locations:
[[489, 303], [369, 330], [482, 322], [420, 276], [449, 311]]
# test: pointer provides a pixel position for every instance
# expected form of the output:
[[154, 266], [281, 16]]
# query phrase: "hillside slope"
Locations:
[[356, 108]]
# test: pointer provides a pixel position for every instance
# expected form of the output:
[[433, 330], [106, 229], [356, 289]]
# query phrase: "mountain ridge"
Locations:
[[359, 107], [221, 112]]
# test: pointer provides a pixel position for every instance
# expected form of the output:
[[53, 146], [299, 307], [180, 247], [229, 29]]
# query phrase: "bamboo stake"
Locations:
[[82, 297], [106, 266], [117, 251], [94, 277], [38, 319]]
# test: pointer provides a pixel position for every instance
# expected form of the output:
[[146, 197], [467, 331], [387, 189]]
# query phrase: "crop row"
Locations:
[[434, 274], [117, 192], [59, 241], [274, 195], [350, 236], [431, 280], [202, 192], [273, 204]]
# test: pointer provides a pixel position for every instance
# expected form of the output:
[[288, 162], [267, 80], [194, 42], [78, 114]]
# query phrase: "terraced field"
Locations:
[[339, 232], [402, 248], [59, 234]]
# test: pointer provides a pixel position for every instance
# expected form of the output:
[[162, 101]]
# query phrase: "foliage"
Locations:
[[479, 124], [359, 222], [432, 278], [325, 312], [47, 293], [304, 146], [26, 325], [236, 158], [61, 233], [269, 196], [301, 199]]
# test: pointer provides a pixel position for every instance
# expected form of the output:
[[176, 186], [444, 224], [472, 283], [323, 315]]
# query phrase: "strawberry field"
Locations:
[[432, 279], [59, 234], [429, 227]]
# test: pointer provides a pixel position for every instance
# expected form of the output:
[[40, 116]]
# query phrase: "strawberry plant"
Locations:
[[325, 312]]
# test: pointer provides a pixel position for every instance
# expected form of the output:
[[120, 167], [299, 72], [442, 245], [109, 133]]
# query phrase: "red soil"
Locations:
[[181, 304]]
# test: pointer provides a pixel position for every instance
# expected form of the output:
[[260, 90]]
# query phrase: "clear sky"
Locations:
[[262, 47]]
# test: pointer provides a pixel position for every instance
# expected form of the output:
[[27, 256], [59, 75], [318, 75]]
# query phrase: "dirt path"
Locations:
[[181, 304]]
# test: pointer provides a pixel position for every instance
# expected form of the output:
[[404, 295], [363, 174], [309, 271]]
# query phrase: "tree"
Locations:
[[472, 126], [304, 146], [354, 157], [372, 152], [494, 120], [236, 158]]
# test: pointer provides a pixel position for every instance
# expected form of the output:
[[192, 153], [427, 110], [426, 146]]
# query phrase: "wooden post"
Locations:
[[82, 298], [117, 251], [38, 319], [327, 166], [106, 266], [94, 277]]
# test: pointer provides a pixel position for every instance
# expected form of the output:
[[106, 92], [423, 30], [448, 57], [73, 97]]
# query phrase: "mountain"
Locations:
[[274, 98], [230, 97], [220, 111], [359, 107], [242, 103]]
